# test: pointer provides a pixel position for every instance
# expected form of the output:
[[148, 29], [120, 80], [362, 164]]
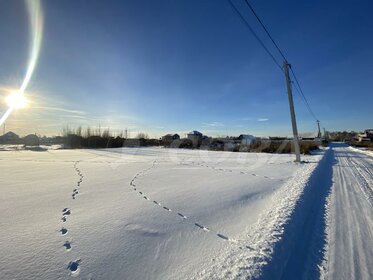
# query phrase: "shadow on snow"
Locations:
[[301, 250]]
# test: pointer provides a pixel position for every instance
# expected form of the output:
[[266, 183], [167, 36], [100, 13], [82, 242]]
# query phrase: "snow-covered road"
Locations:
[[350, 238]]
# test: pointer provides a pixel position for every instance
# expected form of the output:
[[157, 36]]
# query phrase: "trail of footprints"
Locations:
[[197, 224], [193, 163], [73, 266]]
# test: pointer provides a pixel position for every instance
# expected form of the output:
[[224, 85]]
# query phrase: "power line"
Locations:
[[254, 34], [300, 91], [265, 29], [299, 88]]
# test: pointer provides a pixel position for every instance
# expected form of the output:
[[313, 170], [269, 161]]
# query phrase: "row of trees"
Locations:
[[342, 136], [96, 138], [105, 133], [260, 145]]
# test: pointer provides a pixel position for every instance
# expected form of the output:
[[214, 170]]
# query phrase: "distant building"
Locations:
[[31, 140], [367, 136], [195, 136], [9, 138], [246, 139], [170, 137]]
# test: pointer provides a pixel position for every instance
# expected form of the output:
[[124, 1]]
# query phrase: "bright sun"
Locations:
[[16, 100]]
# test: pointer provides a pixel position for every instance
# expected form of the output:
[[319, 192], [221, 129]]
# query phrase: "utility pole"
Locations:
[[318, 126], [292, 112]]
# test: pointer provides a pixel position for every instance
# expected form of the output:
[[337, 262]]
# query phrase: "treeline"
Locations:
[[259, 146], [268, 146], [342, 136], [283, 147], [79, 138]]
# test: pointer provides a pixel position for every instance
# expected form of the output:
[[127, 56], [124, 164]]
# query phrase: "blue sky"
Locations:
[[177, 65]]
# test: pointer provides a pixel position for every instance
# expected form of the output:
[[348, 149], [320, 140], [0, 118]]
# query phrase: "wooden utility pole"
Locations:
[[318, 126], [292, 112]]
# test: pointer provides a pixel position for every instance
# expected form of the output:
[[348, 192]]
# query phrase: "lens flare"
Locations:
[[36, 30], [16, 100], [35, 14]]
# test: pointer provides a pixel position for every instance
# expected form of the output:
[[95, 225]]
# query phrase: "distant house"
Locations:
[[195, 136], [309, 136], [369, 133], [246, 139], [170, 137], [31, 140], [9, 138], [367, 136]]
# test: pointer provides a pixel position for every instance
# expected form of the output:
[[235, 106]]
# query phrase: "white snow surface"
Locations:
[[154, 213], [349, 247]]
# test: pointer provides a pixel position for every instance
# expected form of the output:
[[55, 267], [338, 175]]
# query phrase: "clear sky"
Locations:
[[177, 65]]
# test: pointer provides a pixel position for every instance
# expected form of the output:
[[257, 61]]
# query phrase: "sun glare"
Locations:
[[16, 100]]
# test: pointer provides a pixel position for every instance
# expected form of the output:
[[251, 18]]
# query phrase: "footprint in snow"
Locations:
[[222, 236], [67, 245], [63, 231], [166, 208], [250, 248], [74, 266], [66, 212], [63, 219], [75, 192], [202, 227], [183, 216]]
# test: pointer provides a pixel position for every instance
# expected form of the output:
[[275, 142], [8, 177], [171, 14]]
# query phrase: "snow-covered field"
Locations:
[[154, 213]]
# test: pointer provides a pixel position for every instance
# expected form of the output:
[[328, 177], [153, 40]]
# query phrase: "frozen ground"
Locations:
[[156, 213]]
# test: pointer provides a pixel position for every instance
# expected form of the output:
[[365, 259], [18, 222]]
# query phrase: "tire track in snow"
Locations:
[[364, 177], [349, 254], [73, 266]]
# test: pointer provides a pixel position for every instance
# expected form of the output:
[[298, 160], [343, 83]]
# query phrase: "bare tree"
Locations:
[[142, 135]]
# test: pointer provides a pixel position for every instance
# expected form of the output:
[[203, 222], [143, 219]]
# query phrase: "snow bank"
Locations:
[[265, 251]]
